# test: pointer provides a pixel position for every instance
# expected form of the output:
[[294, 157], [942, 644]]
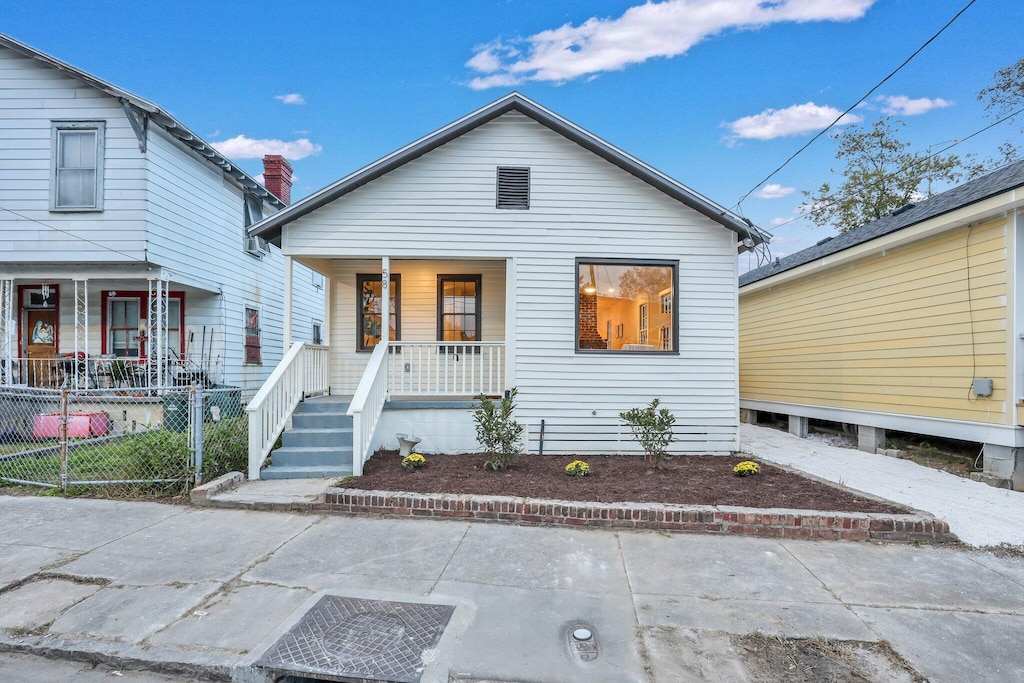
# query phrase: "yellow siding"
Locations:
[[890, 332]]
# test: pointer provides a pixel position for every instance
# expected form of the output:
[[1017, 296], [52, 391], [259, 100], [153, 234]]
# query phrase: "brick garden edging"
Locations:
[[851, 526]]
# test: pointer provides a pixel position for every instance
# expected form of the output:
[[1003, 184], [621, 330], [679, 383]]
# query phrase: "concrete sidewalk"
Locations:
[[979, 514], [202, 593]]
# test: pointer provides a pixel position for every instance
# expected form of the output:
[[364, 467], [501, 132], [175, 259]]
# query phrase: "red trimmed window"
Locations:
[[253, 344]]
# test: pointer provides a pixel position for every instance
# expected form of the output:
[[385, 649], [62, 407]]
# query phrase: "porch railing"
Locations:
[[366, 406], [446, 369], [302, 372], [93, 372]]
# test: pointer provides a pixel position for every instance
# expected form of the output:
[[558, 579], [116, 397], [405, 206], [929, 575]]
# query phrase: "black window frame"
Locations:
[[395, 281], [477, 279], [582, 261]]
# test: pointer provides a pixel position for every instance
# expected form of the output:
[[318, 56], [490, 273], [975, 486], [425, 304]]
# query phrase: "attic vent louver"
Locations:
[[513, 188]]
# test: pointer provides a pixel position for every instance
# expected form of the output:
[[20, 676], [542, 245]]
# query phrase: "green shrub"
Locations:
[[652, 428], [225, 447], [498, 434]]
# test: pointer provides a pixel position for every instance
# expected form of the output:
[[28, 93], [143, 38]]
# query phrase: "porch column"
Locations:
[[81, 380], [156, 353], [385, 300], [8, 325], [286, 336]]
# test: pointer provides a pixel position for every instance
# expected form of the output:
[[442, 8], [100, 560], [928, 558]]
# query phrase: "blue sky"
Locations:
[[716, 93]]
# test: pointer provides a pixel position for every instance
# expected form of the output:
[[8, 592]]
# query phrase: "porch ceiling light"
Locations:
[[590, 289]]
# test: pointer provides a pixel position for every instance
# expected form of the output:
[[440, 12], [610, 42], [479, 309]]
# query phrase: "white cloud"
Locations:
[[795, 120], [774, 191], [241, 147], [291, 98], [653, 29], [901, 105]]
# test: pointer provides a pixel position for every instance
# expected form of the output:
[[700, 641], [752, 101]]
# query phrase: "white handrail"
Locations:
[[434, 368], [303, 371], [367, 405]]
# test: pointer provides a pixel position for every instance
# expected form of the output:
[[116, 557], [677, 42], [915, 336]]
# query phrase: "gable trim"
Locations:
[[271, 228]]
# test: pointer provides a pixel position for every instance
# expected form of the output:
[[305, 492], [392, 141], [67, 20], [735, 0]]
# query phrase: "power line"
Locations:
[[930, 156], [70, 234], [851, 107]]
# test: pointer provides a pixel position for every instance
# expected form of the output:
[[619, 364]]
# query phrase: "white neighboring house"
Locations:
[[520, 250], [123, 242]]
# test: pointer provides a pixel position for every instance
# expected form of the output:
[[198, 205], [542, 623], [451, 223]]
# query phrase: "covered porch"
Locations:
[[445, 338], [106, 327]]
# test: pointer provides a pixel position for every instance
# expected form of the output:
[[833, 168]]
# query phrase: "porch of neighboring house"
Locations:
[[446, 344], [113, 330]]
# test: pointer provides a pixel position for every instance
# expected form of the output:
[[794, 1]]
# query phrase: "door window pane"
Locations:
[[369, 322]]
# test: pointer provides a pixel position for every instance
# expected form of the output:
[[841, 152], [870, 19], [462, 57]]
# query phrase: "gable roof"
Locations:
[[270, 228], [997, 182], [151, 112]]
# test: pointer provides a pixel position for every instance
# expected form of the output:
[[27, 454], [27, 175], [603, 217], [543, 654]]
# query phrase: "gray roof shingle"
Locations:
[[1006, 178]]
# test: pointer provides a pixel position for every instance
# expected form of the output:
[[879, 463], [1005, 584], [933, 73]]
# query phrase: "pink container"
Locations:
[[80, 425]]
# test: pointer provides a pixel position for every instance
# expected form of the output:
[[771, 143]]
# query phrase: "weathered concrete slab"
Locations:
[[18, 562], [717, 566], [1011, 568], [39, 602], [23, 668], [543, 558], [201, 545], [132, 613], [382, 550], [903, 576], [76, 524], [236, 621], [687, 656], [518, 634], [951, 647], [739, 616]]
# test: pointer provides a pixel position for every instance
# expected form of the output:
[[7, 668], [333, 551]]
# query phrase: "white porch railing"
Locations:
[[446, 369], [302, 372], [367, 405]]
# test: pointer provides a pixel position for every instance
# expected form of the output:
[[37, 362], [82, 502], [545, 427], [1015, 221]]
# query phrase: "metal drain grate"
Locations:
[[341, 639]]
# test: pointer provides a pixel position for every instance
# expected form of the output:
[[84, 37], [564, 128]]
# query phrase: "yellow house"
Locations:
[[911, 322]]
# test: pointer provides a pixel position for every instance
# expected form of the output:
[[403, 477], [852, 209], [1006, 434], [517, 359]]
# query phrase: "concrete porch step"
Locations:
[[314, 456], [305, 472], [324, 437], [321, 420]]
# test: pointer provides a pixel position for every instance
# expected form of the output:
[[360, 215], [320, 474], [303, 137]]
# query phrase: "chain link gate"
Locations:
[[119, 443]]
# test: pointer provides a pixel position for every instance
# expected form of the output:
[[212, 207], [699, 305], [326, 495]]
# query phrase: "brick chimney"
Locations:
[[277, 176]]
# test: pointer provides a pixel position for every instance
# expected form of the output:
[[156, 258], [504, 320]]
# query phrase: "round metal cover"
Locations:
[[582, 634]]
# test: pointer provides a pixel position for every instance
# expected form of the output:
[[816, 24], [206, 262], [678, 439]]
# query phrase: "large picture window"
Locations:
[[368, 288], [458, 308], [636, 299]]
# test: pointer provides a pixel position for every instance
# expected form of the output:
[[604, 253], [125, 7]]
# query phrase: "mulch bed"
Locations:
[[685, 480]]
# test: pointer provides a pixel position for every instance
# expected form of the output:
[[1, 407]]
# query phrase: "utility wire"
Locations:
[[70, 234], [851, 107], [930, 157]]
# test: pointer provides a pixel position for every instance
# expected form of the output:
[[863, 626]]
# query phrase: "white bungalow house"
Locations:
[[124, 256], [512, 248]]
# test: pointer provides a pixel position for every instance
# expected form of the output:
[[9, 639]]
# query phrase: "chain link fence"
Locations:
[[120, 443]]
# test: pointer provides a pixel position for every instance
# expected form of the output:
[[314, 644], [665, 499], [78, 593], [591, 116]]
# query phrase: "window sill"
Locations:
[[61, 209]]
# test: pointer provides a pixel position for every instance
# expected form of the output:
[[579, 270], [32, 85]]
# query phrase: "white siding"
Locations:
[[31, 96], [167, 208], [441, 206]]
